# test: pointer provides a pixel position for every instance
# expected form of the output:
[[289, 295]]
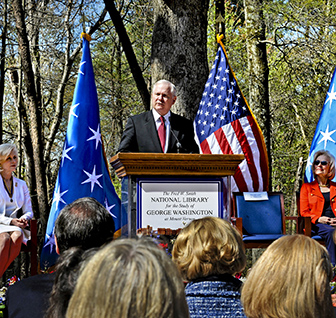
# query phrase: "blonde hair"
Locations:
[[291, 279], [5, 151], [331, 158], [129, 278], [209, 246]]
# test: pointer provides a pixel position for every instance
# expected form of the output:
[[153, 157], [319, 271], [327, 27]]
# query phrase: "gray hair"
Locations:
[[171, 85]]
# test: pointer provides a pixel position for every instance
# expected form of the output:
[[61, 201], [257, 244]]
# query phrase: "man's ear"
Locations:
[[57, 249], [174, 99]]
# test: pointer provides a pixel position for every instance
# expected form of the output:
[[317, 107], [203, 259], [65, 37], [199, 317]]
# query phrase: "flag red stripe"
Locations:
[[240, 180], [205, 147], [263, 158], [222, 142], [245, 146], [226, 149]]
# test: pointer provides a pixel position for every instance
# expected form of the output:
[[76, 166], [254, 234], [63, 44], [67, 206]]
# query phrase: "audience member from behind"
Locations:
[[15, 208], [84, 223], [67, 272], [291, 279], [208, 252], [129, 278]]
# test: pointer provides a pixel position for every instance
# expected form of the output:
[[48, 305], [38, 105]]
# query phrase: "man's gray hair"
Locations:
[[171, 85]]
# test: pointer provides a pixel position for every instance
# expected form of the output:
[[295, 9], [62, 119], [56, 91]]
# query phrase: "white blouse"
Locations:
[[9, 210]]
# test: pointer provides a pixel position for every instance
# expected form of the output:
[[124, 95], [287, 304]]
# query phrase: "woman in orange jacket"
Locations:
[[318, 199]]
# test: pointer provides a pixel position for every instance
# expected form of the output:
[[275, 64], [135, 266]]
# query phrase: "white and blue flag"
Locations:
[[325, 133], [83, 170]]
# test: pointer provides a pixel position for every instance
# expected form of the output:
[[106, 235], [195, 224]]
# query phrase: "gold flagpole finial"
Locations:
[[220, 37], [86, 36]]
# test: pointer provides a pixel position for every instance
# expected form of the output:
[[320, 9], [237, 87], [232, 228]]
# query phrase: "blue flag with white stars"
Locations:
[[325, 133], [83, 168]]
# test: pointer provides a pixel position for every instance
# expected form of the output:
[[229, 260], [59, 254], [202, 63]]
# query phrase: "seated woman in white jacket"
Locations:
[[15, 208]]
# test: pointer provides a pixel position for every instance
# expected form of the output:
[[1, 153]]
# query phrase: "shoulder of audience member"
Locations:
[[32, 282]]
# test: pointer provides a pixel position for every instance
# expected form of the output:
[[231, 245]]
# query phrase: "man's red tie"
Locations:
[[162, 133]]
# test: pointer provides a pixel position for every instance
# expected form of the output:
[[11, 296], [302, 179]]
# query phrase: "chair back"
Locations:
[[31, 248], [260, 217], [305, 225]]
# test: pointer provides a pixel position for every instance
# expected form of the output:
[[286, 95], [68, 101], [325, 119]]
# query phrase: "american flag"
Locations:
[[325, 132], [83, 169], [224, 124]]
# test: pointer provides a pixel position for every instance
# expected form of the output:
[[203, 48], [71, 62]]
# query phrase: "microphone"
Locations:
[[178, 144]]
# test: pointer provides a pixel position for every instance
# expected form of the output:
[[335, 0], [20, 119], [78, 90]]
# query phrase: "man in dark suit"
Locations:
[[159, 130], [84, 223]]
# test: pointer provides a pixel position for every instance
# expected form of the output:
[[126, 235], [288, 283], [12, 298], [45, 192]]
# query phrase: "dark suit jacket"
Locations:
[[312, 200], [29, 297], [140, 135]]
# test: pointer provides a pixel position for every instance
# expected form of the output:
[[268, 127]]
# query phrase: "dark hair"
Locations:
[[84, 223], [68, 269]]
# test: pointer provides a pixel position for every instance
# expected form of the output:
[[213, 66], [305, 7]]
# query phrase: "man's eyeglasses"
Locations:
[[323, 162]]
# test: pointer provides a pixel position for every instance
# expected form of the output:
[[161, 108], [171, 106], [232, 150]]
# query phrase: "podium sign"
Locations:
[[173, 203], [169, 190]]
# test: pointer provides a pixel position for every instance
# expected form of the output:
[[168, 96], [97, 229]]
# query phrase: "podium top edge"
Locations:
[[175, 156]]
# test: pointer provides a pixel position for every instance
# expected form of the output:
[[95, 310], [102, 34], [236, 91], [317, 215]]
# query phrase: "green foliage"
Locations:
[[301, 54], [59, 30], [117, 91]]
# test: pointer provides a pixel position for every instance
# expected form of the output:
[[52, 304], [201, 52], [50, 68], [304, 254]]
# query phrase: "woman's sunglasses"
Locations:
[[323, 162]]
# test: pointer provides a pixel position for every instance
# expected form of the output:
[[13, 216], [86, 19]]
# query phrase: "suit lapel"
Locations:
[[332, 190], [152, 133], [315, 190]]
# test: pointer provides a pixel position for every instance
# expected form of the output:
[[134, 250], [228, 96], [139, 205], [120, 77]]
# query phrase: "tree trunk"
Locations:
[[117, 124], [57, 118], [258, 70], [2, 63], [179, 50], [34, 111], [15, 79], [35, 12]]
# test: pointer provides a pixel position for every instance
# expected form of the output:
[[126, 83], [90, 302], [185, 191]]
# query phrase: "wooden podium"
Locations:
[[173, 171]]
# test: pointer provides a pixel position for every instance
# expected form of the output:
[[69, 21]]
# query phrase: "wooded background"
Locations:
[[282, 52]]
